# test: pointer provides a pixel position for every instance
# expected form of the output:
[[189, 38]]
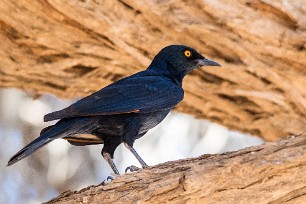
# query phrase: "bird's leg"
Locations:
[[110, 145], [131, 148], [132, 133], [109, 160]]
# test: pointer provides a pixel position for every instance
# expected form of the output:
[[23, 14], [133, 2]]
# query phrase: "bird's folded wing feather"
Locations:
[[133, 94]]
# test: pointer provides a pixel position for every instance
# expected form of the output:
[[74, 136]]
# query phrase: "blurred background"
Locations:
[[60, 166]]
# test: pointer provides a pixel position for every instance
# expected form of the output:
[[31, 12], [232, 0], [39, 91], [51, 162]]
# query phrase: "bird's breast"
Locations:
[[150, 120]]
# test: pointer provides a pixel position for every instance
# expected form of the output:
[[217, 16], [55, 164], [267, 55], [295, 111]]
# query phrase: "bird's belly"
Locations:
[[110, 130], [114, 126], [149, 121]]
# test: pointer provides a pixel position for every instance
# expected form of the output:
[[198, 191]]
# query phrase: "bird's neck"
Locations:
[[178, 80], [162, 68]]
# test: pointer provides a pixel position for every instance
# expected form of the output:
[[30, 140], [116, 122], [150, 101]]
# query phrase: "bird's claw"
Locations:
[[107, 180], [132, 168]]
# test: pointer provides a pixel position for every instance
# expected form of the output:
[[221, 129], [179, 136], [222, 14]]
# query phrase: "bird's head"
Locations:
[[178, 60]]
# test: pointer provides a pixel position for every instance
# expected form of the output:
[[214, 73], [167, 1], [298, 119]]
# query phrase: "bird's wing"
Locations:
[[133, 94]]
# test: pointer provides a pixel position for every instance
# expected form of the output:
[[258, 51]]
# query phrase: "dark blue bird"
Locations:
[[124, 110]]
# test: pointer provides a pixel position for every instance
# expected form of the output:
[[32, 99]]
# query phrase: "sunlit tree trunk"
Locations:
[[71, 48]]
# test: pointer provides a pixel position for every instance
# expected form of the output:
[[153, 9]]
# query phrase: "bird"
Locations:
[[124, 110]]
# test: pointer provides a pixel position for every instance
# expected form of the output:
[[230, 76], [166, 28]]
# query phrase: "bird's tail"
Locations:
[[48, 134], [30, 148]]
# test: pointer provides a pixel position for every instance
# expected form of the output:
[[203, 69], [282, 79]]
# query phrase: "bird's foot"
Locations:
[[109, 179], [132, 169]]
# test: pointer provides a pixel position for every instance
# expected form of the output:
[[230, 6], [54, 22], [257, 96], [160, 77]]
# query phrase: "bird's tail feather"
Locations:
[[48, 134], [29, 149]]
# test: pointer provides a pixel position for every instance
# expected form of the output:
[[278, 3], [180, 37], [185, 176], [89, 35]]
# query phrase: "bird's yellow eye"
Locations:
[[187, 53]]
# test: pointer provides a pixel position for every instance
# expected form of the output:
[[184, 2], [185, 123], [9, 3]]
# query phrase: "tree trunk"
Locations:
[[74, 47], [272, 173]]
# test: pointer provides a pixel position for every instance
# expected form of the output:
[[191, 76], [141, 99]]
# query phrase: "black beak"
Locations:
[[207, 62]]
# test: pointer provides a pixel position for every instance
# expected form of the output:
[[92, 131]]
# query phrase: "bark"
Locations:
[[272, 173], [72, 48]]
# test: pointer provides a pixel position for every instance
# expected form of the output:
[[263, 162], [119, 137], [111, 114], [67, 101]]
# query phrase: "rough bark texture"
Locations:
[[273, 173], [74, 47]]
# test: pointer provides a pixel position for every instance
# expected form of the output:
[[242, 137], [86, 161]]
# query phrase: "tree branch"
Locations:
[[271, 173]]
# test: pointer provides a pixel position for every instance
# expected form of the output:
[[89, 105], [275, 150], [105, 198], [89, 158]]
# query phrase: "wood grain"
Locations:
[[72, 48], [272, 173]]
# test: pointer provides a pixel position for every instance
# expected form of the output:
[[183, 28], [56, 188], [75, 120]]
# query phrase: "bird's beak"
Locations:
[[207, 62]]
